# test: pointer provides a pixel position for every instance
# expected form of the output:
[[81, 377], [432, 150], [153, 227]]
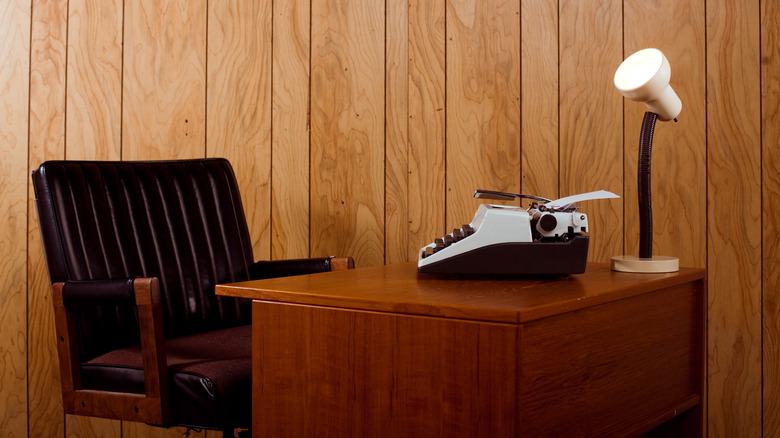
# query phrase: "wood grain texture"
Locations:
[[397, 133], [239, 106], [600, 374], [396, 376], [539, 91], [591, 147], [483, 102], [94, 108], [164, 97], [734, 242], [163, 84], [770, 183], [46, 141], [427, 124], [140, 430], [679, 149], [94, 99], [15, 49], [83, 427], [291, 130], [510, 301], [617, 367], [347, 123]]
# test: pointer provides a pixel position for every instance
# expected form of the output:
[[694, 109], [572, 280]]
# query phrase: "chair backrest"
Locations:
[[180, 221]]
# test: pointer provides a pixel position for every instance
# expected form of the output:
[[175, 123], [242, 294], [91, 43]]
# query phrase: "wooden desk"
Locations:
[[385, 351]]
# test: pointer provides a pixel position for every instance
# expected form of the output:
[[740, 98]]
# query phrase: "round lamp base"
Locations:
[[655, 264]]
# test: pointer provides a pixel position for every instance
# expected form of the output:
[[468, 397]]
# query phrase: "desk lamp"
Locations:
[[644, 77]]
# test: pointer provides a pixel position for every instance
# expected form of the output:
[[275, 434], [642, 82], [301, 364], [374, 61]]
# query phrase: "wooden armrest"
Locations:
[[151, 407], [341, 263]]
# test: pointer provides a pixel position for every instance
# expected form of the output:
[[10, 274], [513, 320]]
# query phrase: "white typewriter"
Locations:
[[547, 238]]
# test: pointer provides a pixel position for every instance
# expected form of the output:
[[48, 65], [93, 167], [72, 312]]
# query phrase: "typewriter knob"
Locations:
[[548, 222]]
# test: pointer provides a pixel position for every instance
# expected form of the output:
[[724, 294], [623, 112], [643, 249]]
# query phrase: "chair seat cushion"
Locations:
[[210, 377]]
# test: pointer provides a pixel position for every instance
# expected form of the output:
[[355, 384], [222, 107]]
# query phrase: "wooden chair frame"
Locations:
[[151, 407]]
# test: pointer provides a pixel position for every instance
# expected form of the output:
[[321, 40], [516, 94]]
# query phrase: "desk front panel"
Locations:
[[614, 370], [620, 368], [345, 373]]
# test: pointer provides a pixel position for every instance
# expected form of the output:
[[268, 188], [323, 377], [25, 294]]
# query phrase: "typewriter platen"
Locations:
[[547, 238]]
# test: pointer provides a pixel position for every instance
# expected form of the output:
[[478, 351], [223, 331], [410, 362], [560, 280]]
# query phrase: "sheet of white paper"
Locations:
[[598, 194]]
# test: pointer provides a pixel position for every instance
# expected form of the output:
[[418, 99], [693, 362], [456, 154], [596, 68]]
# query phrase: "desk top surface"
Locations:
[[401, 289]]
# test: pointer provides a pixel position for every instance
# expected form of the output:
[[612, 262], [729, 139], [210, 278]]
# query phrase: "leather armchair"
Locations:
[[134, 250]]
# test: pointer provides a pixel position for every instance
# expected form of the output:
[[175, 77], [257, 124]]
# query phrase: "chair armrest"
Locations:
[[144, 293], [85, 293], [286, 268]]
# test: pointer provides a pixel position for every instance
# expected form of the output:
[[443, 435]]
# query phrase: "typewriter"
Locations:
[[547, 238]]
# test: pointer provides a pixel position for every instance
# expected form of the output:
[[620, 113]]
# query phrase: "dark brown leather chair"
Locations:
[[134, 250]]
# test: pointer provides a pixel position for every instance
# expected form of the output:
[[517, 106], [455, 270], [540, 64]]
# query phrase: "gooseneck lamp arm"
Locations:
[[643, 185]]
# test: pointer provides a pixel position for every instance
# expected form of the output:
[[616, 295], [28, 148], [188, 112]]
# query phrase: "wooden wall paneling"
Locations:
[[239, 105], [347, 118], [539, 92], [164, 94], [770, 180], [734, 218], [141, 430], [94, 99], [15, 19], [83, 427], [291, 130], [164, 80], [679, 163], [427, 121], [396, 133], [591, 145], [483, 102], [46, 141]]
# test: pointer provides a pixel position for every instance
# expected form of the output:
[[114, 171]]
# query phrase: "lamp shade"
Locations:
[[644, 77]]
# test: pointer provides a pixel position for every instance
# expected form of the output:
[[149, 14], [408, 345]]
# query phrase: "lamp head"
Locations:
[[644, 77]]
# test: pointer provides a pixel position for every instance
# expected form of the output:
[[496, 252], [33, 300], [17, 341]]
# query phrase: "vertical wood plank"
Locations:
[[93, 123], [15, 19], [94, 100], [734, 244], [164, 97], [291, 164], [483, 102], [140, 430], [85, 427], [163, 65], [347, 117], [770, 179], [539, 91], [164, 79], [591, 144], [239, 105], [679, 149], [396, 133], [46, 141], [427, 123]]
